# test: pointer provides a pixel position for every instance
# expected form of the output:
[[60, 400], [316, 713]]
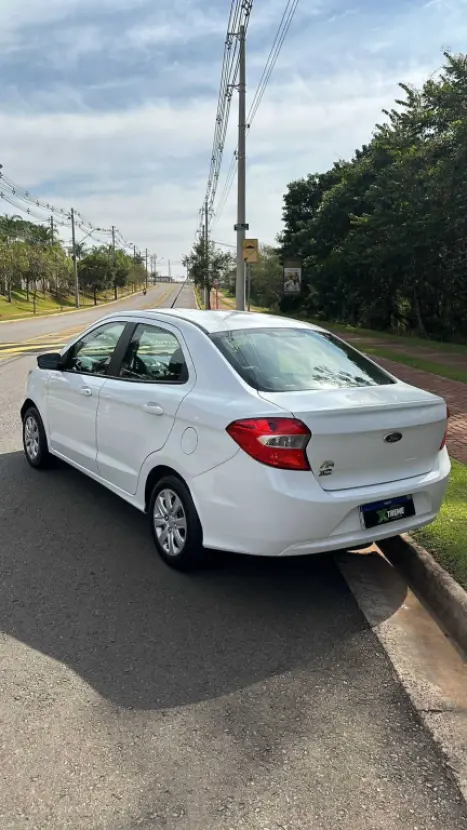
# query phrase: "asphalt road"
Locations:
[[253, 695], [162, 294]]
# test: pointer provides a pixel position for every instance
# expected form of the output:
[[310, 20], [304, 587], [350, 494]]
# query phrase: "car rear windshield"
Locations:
[[292, 360]]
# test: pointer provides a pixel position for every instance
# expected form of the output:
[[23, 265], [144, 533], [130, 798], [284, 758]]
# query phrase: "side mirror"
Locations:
[[50, 360]]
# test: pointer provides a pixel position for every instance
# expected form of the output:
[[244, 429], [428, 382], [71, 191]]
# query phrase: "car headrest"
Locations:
[[177, 365]]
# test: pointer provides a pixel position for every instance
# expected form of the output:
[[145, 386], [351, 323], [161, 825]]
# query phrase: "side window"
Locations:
[[154, 355], [91, 355]]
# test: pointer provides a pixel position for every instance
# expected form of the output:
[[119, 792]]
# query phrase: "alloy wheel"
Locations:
[[170, 522], [31, 437]]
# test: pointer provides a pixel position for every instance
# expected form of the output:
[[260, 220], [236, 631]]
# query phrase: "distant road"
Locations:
[[162, 294]]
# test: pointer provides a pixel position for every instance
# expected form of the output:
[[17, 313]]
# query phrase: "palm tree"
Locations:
[[41, 234], [10, 227]]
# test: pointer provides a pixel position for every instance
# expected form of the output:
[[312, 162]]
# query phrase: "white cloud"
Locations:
[[144, 168], [319, 123], [173, 21], [14, 14], [162, 29]]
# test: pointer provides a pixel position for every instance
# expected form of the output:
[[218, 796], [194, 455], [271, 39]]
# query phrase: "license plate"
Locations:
[[383, 512]]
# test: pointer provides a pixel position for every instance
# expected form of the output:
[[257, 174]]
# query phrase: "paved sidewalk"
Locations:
[[454, 392]]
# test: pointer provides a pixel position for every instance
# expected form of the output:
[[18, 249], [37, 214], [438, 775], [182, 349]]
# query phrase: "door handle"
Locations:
[[86, 391], [153, 409]]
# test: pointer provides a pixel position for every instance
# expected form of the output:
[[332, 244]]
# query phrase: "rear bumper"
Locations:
[[246, 507]]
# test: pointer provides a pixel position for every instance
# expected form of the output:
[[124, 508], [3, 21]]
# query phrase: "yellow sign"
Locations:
[[250, 250]]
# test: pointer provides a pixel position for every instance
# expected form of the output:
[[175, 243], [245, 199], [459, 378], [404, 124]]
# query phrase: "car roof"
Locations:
[[218, 321]]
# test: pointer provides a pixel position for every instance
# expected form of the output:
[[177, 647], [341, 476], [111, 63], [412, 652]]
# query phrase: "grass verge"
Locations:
[[20, 308], [229, 301], [397, 339], [446, 538], [441, 369]]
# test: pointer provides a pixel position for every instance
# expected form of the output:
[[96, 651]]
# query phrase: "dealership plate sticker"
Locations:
[[384, 512]]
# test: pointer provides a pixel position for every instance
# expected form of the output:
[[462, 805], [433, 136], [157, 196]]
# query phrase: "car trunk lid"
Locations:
[[369, 435]]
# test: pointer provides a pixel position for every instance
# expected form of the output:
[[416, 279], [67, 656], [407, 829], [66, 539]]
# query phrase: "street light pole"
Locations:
[[74, 257], [241, 226]]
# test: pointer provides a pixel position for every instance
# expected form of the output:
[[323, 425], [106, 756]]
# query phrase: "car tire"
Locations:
[[35, 440], [175, 525]]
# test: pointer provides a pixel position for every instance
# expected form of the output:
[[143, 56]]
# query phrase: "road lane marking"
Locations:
[[24, 348], [58, 340]]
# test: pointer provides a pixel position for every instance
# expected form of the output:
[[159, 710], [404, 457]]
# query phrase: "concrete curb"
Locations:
[[441, 592]]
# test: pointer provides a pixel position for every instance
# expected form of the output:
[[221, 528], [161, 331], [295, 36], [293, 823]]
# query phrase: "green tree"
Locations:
[[29, 254], [207, 264], [95, 271], [384, 235], [267, 278]]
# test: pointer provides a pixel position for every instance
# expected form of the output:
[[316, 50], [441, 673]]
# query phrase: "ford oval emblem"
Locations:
[[393, 437]]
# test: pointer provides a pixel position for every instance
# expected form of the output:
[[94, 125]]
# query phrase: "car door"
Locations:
[[73, 394], [137, 408]]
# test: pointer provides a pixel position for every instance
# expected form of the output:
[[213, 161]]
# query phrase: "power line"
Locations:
[[6, 196], [282, 31], [61, 222], [240, 11], [229, 73], [281, 34], [25, 196], [64, 222], [24, 201]]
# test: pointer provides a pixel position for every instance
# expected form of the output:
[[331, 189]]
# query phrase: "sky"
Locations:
[[109, 105]]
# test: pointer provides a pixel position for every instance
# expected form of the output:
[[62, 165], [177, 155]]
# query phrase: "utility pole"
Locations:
[[114, 263], [52, 241], [207, 297], [134, 267], [146, 269], [241, 226], [74, 257]]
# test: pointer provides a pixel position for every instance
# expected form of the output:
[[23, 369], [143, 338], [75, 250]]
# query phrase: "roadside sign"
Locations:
[[292, 278], [250, 250], [243, 226], [216, 283]]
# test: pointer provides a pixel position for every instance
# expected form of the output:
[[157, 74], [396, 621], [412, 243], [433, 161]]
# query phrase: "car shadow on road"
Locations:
[[80, 583]]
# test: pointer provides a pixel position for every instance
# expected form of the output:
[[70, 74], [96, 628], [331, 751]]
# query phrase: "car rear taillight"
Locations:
[[277, 442], [443, 442]]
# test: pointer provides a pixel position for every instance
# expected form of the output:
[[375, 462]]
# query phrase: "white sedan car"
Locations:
[[240, 432]]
